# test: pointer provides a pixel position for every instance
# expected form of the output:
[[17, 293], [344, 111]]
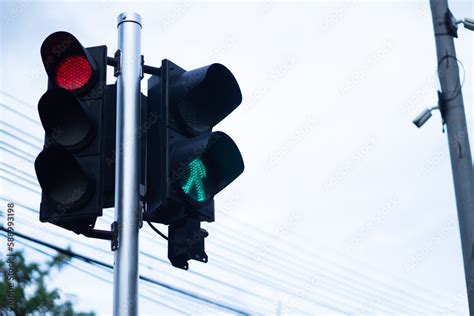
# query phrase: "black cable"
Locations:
[[271, 284], [232, 270], [99, 277], [157, 231], [162, 235], [28, 222], [460, 84], [141, 277], [167, 238]]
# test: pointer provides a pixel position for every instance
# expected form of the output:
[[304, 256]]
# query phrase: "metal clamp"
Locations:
[[451, 24], [114, 244], [117, 69]]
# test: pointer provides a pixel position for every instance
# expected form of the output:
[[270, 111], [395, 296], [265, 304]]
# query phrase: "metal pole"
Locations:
[[460, 152], [127, 172]]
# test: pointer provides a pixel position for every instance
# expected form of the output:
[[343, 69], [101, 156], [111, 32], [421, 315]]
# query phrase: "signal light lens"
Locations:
[[62, 178], [192, 182], [73, 73], [66, 122], [204, 165], [205, 96]]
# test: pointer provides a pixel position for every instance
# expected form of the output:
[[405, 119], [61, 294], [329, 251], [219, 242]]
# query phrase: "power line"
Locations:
[[396, 291], [21, 131], [19, 139], [141, 277], [276, 286], [38, 192], [88, 272], [246, 273], [299, 261], [234, 247], [417, 297], [254, 295], [27, 105], [16, 175], [260, 281], [19, 113], [340, 282], [273, 285]]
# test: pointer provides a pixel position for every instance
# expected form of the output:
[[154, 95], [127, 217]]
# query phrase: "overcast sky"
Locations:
[[344, 205]]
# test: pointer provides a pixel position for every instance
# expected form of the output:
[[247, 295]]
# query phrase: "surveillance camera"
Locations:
[[422, 118], [469, 24]]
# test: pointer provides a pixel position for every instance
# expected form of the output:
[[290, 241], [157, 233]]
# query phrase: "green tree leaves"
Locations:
[[31, 294]]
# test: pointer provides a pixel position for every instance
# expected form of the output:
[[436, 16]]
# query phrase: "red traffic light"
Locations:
[[68, 64], [73, 73]]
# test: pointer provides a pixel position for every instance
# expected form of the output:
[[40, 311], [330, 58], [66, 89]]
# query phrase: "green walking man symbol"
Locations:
[[197, 171]]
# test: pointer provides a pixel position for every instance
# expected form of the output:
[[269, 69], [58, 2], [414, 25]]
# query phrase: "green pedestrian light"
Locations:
[[187, 163], [193, 180]]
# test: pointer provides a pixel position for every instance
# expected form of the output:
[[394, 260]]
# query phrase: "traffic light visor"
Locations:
[[67, 62], [205, 96]]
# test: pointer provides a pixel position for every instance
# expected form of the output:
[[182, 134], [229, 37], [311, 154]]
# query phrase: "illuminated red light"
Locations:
[[73, 73]]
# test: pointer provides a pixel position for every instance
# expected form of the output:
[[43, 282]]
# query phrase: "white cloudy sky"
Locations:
[[344, 206]]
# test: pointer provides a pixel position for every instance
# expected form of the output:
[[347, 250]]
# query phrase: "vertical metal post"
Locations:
[[127, 172], [460, 152]]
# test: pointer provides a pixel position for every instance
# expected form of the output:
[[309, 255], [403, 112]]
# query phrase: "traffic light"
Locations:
[[188, 163], [75, 169]]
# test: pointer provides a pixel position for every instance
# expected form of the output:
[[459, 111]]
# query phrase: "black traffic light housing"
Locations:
[[62, 49], [76, 167], [187, 163], [184, 164]]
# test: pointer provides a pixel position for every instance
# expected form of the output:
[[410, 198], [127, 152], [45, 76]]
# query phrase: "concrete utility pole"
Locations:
[[127, 171], [452, 110]]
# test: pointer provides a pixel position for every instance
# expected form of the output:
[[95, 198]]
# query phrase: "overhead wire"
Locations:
[[384, 287], [300, 261], [261, 281], [246, 273], [317, 302], [97, 276], [364, 276], [141, 277], [242, 290], [30, 160]]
